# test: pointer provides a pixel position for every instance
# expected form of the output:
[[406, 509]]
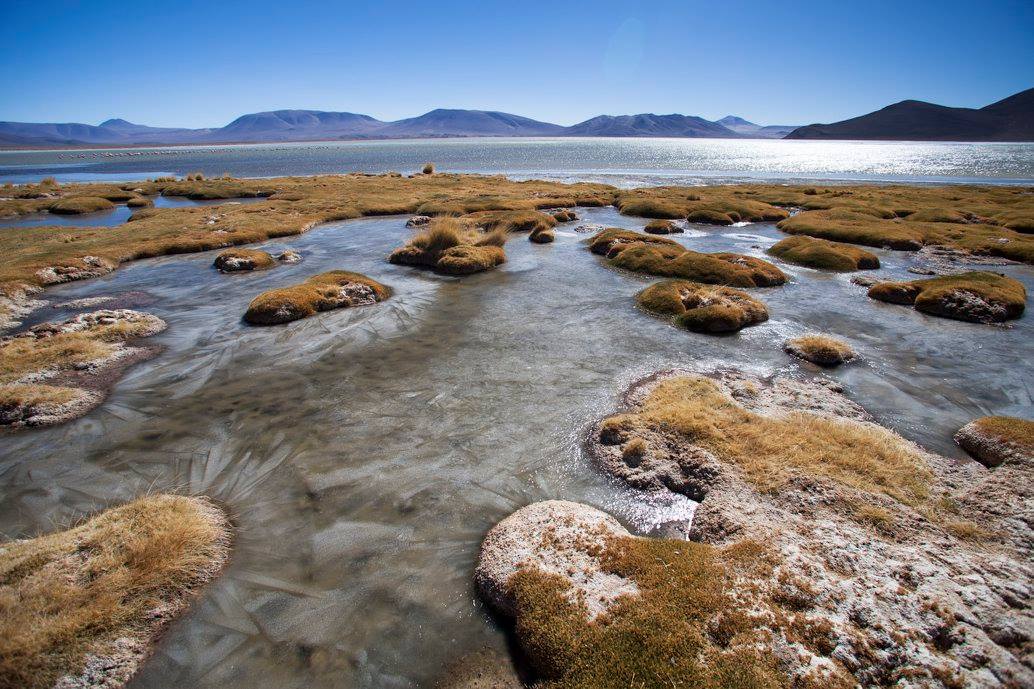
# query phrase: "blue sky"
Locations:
[[201, 64]]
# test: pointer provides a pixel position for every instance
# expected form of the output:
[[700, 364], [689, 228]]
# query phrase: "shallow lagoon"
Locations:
[[363, 453]]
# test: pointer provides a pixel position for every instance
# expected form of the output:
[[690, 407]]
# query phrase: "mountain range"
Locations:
[[315, 125], [1010, 119]]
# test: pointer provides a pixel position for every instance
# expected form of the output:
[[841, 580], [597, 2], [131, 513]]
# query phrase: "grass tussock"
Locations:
[[564, 215], [652, 255], [122, 574], [335, 289], [685, 628], [703, 308], [1009, 429], [994, 440], [512, 221], [662, 227], [451, 246], [819, 349], [428, 169], [79, 205], [238, 259], [823, 254], [770, 450], [980, 297]]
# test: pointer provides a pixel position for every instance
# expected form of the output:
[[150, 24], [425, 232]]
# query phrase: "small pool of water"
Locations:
[[363, 453]]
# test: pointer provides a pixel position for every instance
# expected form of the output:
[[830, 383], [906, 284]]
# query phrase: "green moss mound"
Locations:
[[652, 255], [331, 290], [237, 260], [703, 308], [979, 297], [823, 254], [80, 204]]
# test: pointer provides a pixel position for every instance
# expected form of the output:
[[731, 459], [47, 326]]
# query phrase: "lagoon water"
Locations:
[[363, 453], [626, 162]]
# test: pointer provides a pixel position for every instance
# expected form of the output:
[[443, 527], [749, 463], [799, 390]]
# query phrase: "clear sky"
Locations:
[[200, 64]]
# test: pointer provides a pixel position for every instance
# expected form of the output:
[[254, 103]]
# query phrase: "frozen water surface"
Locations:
[[363, 453]]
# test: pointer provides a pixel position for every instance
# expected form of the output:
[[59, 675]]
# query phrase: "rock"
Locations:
[[994, 440], [418, 221], [555, 537], [864, 280], [589, 228], [289, 257], [236, 260]]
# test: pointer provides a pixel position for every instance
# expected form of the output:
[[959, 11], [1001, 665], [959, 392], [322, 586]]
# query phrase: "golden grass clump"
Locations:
[[715, 205], [769, 450], [139, 202], [684, 628], [823, 254], [237, 259], [703, 308], [643, 253], [979, 297], [450, 246], [334, 289], [662, 227], [78, 205], [105, 589], [546, 236], [819, 349], [564, 215], [994, 440], [511, 221]]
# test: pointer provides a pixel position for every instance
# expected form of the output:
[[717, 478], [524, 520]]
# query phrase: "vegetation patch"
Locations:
[[547, 236], [994, 440], [92, 600], [819, 349], [703, 308], [564, 215], [652, 255], [58, 371], [237, 259], [79, 205], [336, 289], [770, 450], [662, 227], [716, 205], [979, 297], [511, 221], [451, 247], [825, 255]]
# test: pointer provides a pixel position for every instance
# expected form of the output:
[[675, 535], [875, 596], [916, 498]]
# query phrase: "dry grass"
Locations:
[[684, 629], [662, 227], [976, 296], [79, 205], [770, 450], [512, 221], [820, 349], [335, 289], [652, 255], [121, 575], [238, 259], [452, 246], [823, 254], [1009, 429], [703, 308]]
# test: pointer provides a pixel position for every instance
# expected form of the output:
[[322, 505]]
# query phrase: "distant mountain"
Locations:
[[757, 131], [1011, 119], [441, 123], [649, 125], [318, 125]]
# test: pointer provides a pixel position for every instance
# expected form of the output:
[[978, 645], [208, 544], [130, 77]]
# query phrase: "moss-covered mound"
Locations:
[[662, 227], [511, 221], [335, 289], [994, 440], [823, 254], [80, 204], [546, 236], [819, 349], [652, 255], [235, 260], [85, 606], [564, 215], [450, 246], [597, 608], [139, 202], [703, 308], [979, 297], [716, 205], [55, 372]]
